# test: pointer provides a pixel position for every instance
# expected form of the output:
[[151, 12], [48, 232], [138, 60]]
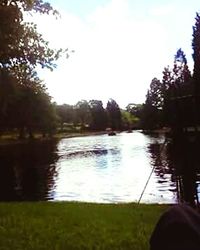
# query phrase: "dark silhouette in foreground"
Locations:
[[177, 229]]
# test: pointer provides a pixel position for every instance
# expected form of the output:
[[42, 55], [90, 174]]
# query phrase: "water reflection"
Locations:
[[101, 169], [178, 163], [27, 171], [115, 174]]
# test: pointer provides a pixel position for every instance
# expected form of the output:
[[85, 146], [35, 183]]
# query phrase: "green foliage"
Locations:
[[177, 83], [181, 71], [114, 115], [77, 225], [25, 106], [135, 109], [162, 107], [20, 43], [155, 94], [65, 113], [98, 114], [129, 121], [151, 117], [83, 113], [25, 103]]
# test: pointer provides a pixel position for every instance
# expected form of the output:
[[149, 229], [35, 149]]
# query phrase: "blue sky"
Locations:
[[78, 7], [120, 45]]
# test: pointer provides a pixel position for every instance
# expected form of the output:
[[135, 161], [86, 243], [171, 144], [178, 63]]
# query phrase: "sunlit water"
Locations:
[[109, 169], [105, 169]]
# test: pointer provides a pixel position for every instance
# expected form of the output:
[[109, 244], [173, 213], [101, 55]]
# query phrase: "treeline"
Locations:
[[92, 116], [30, 113], [174, 101]]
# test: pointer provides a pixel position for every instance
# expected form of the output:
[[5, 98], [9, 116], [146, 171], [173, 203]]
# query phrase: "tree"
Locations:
[[155, 94], [180, 70], [98, 114], [151, 117], [65, 113], [83, 112], [176, 84], [25, 104], [196, 72], [20, 43], [129, 121], [134, 109], [8, 93], [114, 114], [196, 53]]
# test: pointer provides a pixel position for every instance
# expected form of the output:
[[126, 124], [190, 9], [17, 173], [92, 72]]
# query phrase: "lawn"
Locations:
[[68, 225]]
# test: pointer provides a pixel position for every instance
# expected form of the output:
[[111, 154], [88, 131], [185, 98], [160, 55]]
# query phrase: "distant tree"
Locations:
[[129, 121], [134, 109], [65, 113], [98, 114], [83, 112], [114, 114]]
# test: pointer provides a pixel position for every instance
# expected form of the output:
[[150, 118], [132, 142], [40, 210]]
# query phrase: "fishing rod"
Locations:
[[145, 186]]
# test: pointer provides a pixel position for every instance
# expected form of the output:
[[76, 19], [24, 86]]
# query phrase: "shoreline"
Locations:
[[14, 140]]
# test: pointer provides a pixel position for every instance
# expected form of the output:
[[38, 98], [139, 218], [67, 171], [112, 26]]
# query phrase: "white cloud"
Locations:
[[116, 54], [163, 10]]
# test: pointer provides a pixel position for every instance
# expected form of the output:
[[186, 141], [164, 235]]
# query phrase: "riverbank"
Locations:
[[13, 138], [68, 225]]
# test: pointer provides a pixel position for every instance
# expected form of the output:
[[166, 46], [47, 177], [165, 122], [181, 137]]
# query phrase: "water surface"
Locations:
[[94, 169]]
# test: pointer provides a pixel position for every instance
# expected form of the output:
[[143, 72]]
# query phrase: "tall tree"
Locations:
[[155, 94], [114, 114], [83, 112], [196, 72], [168, 78], [176, 84], [196, 53], [181, 71], [98, 113], [151, 117]]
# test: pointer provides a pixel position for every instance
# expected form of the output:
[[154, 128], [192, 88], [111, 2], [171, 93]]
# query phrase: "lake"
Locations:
[[101, 168]]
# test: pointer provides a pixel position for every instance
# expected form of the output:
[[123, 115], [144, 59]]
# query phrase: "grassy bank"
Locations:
[[64, 225], [14, 138]]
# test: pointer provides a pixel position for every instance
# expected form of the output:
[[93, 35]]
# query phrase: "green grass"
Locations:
[[53, 226]]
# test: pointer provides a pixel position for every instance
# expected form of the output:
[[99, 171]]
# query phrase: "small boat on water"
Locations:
[[130, 131], [111, 133]]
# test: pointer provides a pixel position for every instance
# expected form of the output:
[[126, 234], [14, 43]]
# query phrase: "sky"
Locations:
[[119, 46]]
